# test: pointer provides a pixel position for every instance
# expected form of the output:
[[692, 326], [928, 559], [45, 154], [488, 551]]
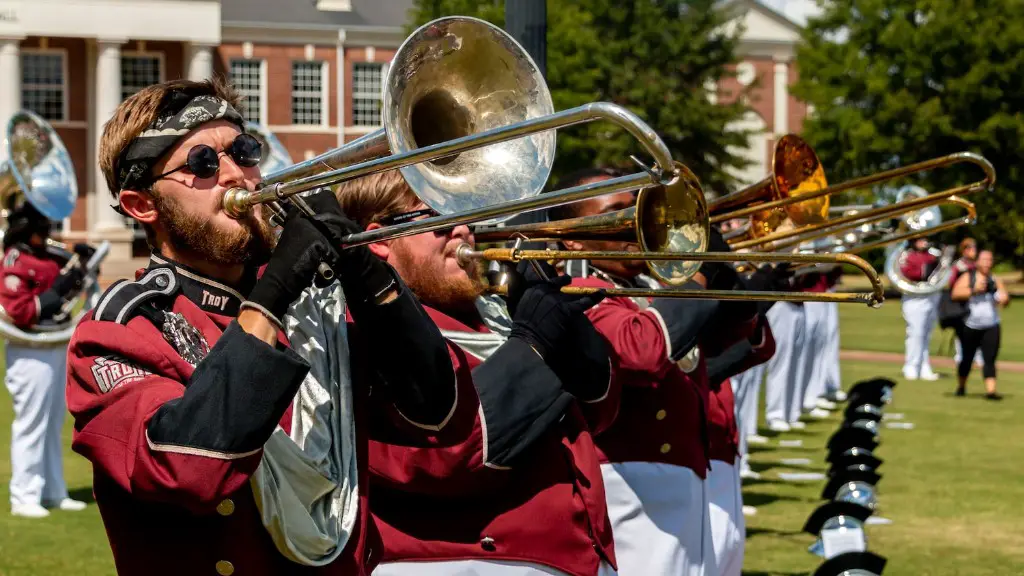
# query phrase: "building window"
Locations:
[[308, 93], [139, 71], [367, 79], [247, 76], [43, 87]]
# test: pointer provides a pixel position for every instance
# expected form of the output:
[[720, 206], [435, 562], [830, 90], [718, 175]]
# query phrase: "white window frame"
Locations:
[[325, 82], [161, 60], [263, 85], [364, 95], [65, 88]]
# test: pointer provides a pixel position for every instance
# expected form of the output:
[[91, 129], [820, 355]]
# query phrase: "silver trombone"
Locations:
[[470, 123]]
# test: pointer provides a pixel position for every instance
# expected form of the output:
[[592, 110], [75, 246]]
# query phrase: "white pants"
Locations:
[[660, 519], [35, 378], [728, 528], [746, 387], [785, 372], [920, 313], [475, 568], [833, 382], [815, 356]]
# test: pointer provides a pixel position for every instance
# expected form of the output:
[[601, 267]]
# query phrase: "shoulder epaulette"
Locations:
[[11, 257], [121, 301]]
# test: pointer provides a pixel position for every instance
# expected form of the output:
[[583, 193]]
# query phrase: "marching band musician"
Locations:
[[655, 455], [512, 485], [814, 354], [785, 370], [178, 380], [35, 288], [833, 381], [920, 312], [724, 484]]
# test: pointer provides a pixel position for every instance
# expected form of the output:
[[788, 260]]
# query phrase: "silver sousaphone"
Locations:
[[922, 219], [39, 171]]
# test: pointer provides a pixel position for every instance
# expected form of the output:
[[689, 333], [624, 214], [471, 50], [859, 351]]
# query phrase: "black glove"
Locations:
[[769, 278], [544, 316], [69, 281], [527, 273], [300, 250], [363, 275], [719, 275], [84, 252]]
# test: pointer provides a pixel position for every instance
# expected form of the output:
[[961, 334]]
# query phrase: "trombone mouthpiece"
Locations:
[[464, 254], [236, 202]]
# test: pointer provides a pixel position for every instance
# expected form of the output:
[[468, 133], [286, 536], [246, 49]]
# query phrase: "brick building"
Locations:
[[310, 70]]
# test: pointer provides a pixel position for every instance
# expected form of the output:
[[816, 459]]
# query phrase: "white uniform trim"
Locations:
[[203, 452], [664, 331]]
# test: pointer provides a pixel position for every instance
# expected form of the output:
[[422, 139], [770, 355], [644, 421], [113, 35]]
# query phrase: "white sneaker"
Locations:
[[29, 511], [826, 404], [779, 426], [819, 414], [909, 375], [929, 376], [756, 439], [68, 505], [798, 425], [748, 474], [836, 396], [749, 511]]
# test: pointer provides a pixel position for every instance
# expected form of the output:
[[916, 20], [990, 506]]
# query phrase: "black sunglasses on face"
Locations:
[[413, 215], [203, 161]]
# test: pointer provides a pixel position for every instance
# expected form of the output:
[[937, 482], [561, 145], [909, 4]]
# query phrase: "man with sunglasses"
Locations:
[[511, 486], [212, 452]]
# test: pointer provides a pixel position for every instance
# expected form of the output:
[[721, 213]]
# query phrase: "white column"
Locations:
[[340, 85], [108, 97], [200, 61], [10, 79], [781, 122]]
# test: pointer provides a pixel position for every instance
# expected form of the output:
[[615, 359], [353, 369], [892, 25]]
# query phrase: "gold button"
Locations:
[[665, 448], [226, 507], [225, 568], [661, 415]]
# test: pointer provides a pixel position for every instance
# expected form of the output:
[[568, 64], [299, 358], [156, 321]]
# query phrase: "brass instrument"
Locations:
[[783, 239], [670, 224], [469, 122], [39, 171]]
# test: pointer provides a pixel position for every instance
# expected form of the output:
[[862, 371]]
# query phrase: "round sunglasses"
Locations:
[[204, 162]]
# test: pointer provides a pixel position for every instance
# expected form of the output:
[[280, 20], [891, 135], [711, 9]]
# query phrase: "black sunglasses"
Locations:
[[412, 215], [203, 161]]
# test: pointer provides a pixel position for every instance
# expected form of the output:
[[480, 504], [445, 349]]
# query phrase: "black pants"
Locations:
[[970, 341]]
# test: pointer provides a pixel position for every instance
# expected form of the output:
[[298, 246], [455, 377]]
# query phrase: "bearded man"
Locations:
[[182, 383], [512, 485]]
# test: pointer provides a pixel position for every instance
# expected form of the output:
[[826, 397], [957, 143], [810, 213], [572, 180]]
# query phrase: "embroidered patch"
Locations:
[[11, 258], [113, 371], [12, 283]]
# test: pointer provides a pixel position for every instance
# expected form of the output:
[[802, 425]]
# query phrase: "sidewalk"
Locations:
[[895, 358]]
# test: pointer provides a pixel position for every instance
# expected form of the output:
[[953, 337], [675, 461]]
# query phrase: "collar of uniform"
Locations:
[[212, 296]]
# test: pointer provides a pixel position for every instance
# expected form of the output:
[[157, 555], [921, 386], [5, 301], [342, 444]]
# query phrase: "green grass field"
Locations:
[[952, 485]]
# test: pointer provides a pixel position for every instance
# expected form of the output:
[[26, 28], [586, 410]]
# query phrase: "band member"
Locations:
[[920, 312], [817, 338], [785, 370], [655, 455], [833, 381], [512, 485], [728, 528], [35, 288], [747, 391], [178, 380]]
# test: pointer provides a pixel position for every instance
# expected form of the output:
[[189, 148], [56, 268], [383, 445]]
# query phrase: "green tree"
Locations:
[[653, 57], [900, 81]]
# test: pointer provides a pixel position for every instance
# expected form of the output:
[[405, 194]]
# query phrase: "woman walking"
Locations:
[[984, 294]]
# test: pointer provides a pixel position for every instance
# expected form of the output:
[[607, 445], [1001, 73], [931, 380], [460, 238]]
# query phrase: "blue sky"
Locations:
[[798, 10]]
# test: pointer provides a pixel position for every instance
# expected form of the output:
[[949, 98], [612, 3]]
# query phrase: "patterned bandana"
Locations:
[[180, 114]]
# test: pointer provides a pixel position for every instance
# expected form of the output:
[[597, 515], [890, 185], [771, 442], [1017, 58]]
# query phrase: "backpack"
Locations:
[[952, 313]]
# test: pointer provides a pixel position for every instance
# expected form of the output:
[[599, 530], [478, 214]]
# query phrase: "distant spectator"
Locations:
[[984, 294], [968, 251]]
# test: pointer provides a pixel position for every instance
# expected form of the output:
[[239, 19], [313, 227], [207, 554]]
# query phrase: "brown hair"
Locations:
[[139, 110], [370, 198], [967, 243]]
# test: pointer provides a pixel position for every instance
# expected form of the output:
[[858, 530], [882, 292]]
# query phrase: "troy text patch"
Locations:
[[113, 371]]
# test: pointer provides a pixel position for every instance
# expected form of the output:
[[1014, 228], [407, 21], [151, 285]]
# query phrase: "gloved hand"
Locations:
[[769, 278], [300, 250], [720, 275], [525, 276], [363, 275], [84, 252], [68, 281], [544, 316]]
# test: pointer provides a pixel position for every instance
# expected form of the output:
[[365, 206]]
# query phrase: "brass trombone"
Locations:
[[670, 224], [469, 122]]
